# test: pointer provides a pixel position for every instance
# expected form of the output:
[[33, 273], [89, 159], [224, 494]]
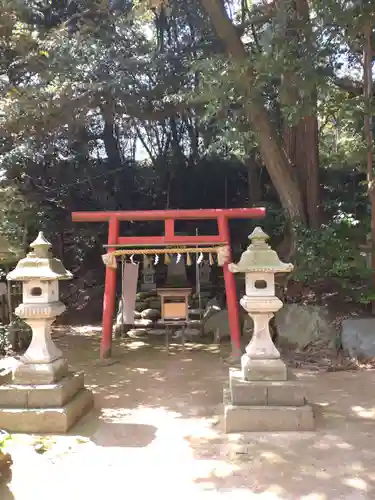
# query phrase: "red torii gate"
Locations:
[[169, 217]]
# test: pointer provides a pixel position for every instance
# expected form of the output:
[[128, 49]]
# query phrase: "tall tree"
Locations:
[[273, 153]]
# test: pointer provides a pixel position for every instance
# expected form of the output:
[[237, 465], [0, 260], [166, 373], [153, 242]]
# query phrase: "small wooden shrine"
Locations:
[[174, 303]]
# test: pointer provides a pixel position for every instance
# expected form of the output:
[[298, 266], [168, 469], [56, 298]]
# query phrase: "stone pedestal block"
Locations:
[[52, 408], [263, 369], [40, 373], [266, 405], [268, 418], [46, 420], [273, 393]]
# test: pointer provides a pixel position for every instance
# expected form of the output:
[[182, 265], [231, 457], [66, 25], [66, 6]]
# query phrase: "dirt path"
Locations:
[[157, 431]]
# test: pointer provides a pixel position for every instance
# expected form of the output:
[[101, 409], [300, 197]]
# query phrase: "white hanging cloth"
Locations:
[[129, 292]]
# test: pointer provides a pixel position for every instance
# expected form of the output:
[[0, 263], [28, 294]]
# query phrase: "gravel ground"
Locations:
[[157, 430]]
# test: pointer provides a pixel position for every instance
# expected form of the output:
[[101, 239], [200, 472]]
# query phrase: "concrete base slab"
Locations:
[[240, 419], [40, 373], [47, 420], [263, 369], [41, 396], [272, 393]]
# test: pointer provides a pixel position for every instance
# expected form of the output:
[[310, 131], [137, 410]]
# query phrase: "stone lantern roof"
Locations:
[[39, 264], [259, 257]]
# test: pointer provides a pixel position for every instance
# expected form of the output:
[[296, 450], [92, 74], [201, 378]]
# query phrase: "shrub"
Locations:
[[331, 253], [4, 340]]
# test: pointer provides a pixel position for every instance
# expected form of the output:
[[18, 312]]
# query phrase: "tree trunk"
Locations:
[[301, 139], [301, 144], [110, 137], [253, 182], [308, 163], [273, 154], [367, 88]]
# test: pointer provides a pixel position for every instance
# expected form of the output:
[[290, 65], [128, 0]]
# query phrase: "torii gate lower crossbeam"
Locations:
[[169, 217]]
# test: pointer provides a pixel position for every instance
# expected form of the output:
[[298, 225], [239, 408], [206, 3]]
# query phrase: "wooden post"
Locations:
[[231, 293], [109, 299]]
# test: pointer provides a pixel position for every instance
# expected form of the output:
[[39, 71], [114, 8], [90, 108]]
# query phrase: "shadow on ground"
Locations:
[[157, 430]]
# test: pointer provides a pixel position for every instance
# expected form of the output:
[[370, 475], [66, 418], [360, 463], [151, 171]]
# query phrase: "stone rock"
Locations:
[[140, 306], [119, 319], [218, 324], [154, 303], [210, 311], [195, 323], [189, 333], [300, 325], [156, 331], [143, 323], [358, 337], [137, 332], [150, 314], [195, 312], [144, 295]]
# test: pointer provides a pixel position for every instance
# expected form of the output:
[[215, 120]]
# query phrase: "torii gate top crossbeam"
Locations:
[[132, 215], [169, 217]]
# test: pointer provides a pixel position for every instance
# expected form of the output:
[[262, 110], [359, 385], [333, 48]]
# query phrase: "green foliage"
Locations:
[[18, 214], [97, 114], [331, 253], [5, 437], [4, 340], [15, 337]]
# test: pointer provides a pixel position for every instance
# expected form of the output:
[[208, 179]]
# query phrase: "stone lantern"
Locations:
[[263, 395], [40, 273], [148, 276], [43, 395]]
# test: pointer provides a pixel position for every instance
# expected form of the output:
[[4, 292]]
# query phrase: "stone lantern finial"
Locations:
[[41, 246], [258, 235]]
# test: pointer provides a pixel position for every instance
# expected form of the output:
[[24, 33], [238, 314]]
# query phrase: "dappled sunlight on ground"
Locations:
[[156, 430]]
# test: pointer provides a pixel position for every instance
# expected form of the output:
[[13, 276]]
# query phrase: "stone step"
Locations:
[[240, 419], [47, 420]]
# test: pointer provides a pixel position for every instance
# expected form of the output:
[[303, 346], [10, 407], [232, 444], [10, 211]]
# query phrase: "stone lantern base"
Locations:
[[45, 407], [272, 401]]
